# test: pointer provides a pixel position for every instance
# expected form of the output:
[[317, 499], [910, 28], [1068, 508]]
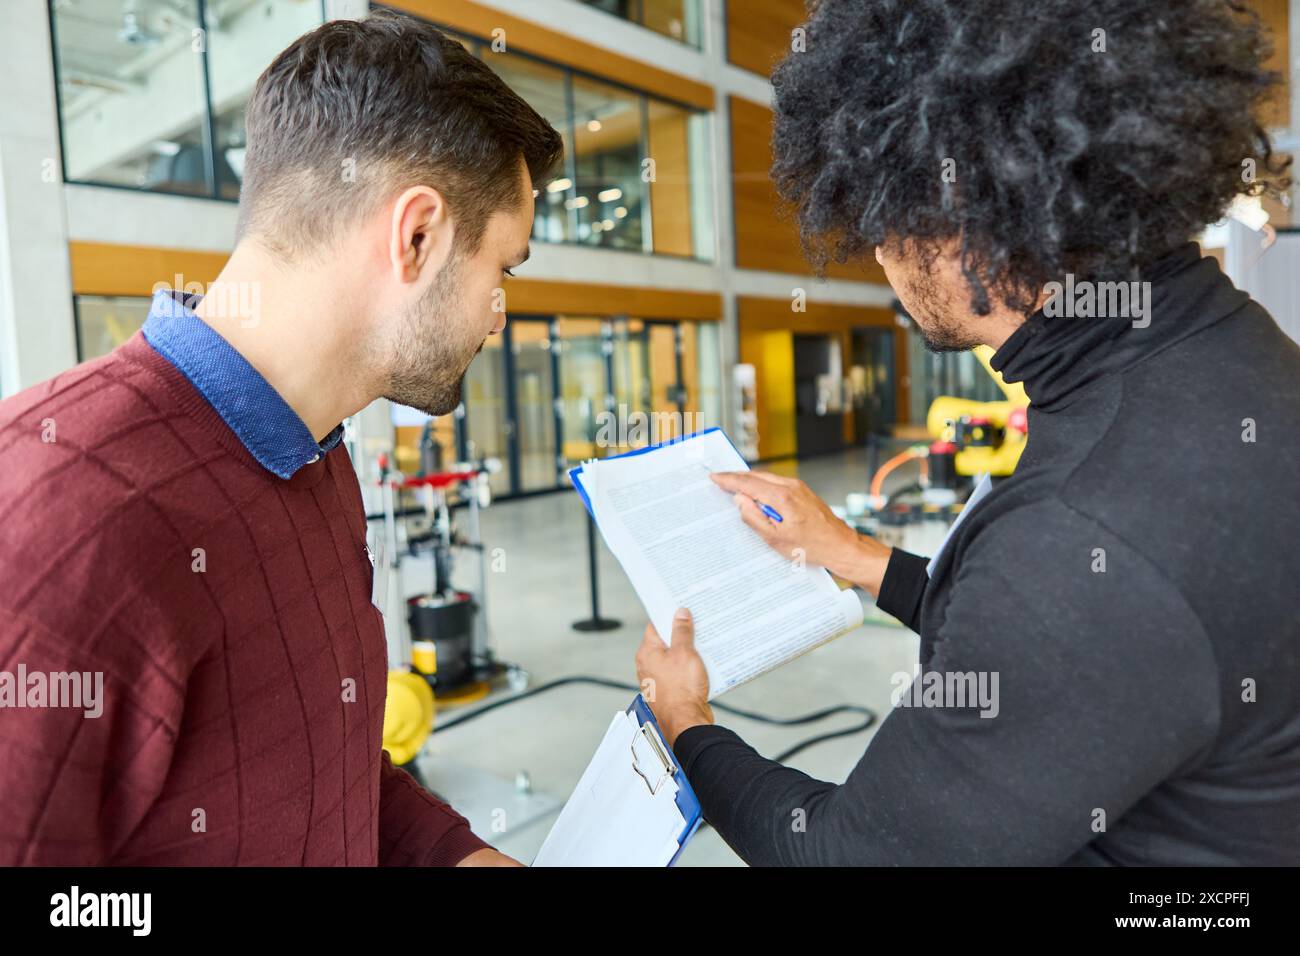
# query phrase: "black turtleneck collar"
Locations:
[[1057, 358]]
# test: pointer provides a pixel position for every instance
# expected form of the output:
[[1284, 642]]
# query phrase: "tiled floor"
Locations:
[[543, 589]]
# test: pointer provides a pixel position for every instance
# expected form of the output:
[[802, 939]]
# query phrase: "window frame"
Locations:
[[212, 186], [477, 46]]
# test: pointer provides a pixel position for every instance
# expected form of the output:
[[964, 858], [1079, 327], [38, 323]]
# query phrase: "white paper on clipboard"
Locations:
[[612, 818]]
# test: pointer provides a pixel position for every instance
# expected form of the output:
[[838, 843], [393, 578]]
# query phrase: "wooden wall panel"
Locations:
[[755, 312], [766, 235], [772, 355], [670, 193], [758, 36], [1275, 15], [558, 47], [585, 298], [758, 32], [102, 269]]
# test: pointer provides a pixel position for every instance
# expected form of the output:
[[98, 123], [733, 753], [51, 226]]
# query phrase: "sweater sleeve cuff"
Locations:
[[693, 741], [415, 828], [455, 845], [903, 586]]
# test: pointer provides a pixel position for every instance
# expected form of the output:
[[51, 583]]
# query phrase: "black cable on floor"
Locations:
[[868, 715]]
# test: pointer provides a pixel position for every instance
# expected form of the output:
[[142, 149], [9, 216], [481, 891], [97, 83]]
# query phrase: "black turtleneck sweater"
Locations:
[[1148, 713]]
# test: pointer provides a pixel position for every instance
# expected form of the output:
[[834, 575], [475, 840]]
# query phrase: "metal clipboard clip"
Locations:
[[666, 762]]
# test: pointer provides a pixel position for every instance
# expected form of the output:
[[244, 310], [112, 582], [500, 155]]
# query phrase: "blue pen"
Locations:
[[766, 509]]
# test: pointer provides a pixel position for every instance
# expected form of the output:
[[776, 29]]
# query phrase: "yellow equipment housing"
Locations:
[[408, 715], [999, 460]]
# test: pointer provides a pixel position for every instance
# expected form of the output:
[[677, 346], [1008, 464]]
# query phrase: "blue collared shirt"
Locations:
[[270, 430]]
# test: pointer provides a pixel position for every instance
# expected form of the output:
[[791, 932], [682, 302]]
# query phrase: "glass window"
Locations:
[[131, 94], [562, 410], [610, 196], [665, 387], [681, 216], [670, 188], [442, 432], [484, 394], [134, 98], [104, 322], [631, 368], [545, 89], [535, 398], [706, 398], [636, 170], [584, 387], [679, 19], [871, 381], [956, 374], [243, 38]]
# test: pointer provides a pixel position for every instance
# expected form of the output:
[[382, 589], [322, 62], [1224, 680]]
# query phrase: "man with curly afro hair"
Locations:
[[1109, 666]]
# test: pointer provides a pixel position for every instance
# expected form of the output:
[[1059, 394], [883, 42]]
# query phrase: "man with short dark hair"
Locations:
[[180, 517], [1128, 594]]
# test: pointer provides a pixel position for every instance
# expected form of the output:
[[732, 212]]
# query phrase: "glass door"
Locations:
[[703, 363], [818, 389], [871, 377], [667, 388], [552, 392], [586, 396], [536, 464], [488, 424], [632, 385]]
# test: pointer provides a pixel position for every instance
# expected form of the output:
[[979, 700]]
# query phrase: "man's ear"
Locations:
[[421, 233]]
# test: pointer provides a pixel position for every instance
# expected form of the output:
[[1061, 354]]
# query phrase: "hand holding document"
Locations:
[[682, 542]]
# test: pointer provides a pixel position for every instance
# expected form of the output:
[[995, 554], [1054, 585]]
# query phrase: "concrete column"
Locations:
[[37, 338], [715, 32]]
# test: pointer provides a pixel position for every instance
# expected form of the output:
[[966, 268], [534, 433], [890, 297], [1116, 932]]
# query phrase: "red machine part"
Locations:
[[442, 479], [1019, 420]]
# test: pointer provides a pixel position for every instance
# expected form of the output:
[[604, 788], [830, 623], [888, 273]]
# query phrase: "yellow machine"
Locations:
[[988, 436], [408, 715], [410, 706]]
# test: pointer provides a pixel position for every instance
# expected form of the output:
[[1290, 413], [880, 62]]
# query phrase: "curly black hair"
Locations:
[[1065, 158]]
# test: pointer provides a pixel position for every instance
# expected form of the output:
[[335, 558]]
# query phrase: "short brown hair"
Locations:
[[358, 109]]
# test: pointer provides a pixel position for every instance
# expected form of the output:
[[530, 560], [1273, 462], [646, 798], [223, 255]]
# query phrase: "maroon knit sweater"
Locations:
[[243, 704]]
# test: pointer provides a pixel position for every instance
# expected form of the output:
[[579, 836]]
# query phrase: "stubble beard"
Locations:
[[431, 349], [933, 316]]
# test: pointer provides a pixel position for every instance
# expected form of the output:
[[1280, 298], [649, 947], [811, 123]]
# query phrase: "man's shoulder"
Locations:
[[78, 451], [89, 403], [97, 501], [1061, 562], [1032, 534]]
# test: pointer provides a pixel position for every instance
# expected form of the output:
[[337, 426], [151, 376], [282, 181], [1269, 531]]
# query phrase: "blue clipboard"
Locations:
[[687, 802], [575, 474]]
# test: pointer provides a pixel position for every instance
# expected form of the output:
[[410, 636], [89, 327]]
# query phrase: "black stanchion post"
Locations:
[[595, 622]]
